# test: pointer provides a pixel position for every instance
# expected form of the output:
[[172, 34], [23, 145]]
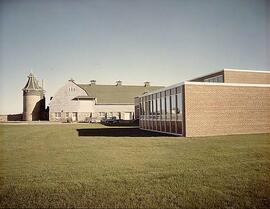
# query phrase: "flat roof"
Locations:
[[207, 84], [225, 84], [250, 71], [213, 83], [233, 70], [163, 89]]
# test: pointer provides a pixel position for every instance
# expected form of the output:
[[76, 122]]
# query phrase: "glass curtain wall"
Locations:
[[158, 107], [173, 103], [168, 105], [150, 106], [162, 105], [163, 111], [179, 110], [143, 108], [179, 103], [154, 104]]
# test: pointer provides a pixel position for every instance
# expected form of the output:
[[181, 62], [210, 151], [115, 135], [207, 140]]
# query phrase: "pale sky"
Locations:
[[161, 41]]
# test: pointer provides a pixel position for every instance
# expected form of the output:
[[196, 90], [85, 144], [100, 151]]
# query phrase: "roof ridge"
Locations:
[[112, 94], [32, 83], [116, 85]]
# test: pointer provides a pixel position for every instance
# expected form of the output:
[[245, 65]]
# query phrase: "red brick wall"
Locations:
[[224, 110], [246, 77]]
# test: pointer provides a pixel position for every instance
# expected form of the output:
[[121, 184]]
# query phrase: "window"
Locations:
[[142, 104], [57, 115], [158, 107], [146, 107], [71, 89], [102, 114], [168, 107], [179, 106], [154, 103], [109, 114], [67, 114], [173, 105], [163, 106], [216, 79], [140, 107], [150, 107]]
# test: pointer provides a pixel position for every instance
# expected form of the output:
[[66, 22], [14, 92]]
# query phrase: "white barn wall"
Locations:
[[62, 100], [86, 109], [86, 106], [65, 105], [124, 108]]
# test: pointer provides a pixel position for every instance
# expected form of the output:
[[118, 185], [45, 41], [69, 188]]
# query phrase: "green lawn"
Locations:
[[52, 166]]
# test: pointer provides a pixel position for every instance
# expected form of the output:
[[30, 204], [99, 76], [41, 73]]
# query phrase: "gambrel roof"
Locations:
[[116, 94]]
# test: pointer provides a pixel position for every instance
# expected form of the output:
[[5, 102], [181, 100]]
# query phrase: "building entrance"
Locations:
[[74, 116]]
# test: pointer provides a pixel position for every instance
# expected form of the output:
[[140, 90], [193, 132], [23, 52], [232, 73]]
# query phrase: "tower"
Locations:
[[33, 100]]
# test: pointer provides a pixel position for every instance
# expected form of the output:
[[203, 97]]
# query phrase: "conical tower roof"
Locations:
[[32, 83]]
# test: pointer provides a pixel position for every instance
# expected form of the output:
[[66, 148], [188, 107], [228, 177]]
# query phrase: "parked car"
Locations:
[[110, 120]]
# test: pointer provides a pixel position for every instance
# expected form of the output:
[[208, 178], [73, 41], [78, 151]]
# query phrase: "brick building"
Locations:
[[226, 102]]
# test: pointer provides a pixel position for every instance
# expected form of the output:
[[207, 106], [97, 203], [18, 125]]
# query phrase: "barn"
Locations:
[[94, 102]]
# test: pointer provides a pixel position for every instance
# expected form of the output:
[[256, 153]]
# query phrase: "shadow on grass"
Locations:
[[118, 132]]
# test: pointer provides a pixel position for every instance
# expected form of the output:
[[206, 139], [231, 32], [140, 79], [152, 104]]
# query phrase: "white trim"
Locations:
[[205, 84], [250, 71], [231, 69], [162, 89], [225, 84], [208, 83]]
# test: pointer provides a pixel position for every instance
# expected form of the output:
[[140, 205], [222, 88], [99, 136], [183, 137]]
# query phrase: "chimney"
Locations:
[[119, 83], [146, 83], [93, 82]]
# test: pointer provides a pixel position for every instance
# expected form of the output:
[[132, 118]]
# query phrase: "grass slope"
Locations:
[[51, 166]]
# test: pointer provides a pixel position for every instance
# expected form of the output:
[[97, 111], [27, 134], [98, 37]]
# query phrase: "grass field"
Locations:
[[88, 166]]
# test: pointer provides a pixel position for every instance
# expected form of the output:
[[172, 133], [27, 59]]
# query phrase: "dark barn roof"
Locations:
[[32, 83], [113, 94]]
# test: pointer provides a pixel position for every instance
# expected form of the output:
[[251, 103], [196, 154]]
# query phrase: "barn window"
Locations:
[[71, 89], [58, 115]]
